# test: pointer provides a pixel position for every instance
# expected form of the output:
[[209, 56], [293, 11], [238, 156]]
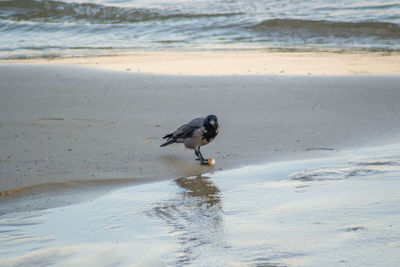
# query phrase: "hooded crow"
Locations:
[[198, 132]]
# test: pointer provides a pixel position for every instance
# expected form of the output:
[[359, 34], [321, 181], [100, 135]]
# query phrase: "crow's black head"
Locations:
[[212, 120], [211, 128]]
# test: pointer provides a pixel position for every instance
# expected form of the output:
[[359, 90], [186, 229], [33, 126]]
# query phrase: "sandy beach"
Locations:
[[307, 159], [306, 167], [252, 62], [85, 119]]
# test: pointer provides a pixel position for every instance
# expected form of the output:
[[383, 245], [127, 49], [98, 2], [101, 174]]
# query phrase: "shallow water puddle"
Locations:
[[334, 211]]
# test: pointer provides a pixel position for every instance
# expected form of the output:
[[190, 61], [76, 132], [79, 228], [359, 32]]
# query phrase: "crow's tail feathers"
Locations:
[[168, 136], [170, 141]]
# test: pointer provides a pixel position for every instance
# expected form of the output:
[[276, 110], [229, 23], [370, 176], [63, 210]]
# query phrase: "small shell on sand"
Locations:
[[211, 161]]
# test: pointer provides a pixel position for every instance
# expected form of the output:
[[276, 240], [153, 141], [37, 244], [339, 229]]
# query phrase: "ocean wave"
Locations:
[[329, 28], [361, 7], [57, 11], [50, 28]]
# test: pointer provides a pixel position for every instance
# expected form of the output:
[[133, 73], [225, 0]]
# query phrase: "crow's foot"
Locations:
[[204, 162]]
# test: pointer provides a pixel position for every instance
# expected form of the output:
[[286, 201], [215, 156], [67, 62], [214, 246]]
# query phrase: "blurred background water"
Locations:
[[38, 28]]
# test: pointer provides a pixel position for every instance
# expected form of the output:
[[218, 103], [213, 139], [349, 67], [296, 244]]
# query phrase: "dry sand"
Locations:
[[60, 122], [239, 63]]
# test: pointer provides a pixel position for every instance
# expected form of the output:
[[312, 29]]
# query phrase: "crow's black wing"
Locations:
[[185, 131]]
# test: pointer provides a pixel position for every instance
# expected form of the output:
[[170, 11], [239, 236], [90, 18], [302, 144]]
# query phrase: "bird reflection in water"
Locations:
[[194, 215], [200, 187]]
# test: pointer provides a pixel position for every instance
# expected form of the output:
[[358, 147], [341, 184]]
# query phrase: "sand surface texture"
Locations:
[[239, 62], [63, 123]]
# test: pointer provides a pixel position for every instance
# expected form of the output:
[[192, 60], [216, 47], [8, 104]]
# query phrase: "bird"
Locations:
[[196, 133]]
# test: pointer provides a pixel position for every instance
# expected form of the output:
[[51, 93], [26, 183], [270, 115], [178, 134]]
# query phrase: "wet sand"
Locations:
[[63, 122]]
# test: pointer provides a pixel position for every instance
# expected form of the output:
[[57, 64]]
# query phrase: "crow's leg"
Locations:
[[202, 159], [197, 154]]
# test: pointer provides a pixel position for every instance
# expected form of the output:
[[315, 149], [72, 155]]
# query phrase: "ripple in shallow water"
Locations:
[[259, 215]]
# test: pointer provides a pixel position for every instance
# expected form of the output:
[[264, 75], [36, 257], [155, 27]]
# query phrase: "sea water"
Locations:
[[47, 28], [343, 210]]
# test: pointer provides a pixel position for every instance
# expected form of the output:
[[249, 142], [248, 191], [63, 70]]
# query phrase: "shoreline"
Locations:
[[80, 191], [348, 200], [241, 62], [68, 120]]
